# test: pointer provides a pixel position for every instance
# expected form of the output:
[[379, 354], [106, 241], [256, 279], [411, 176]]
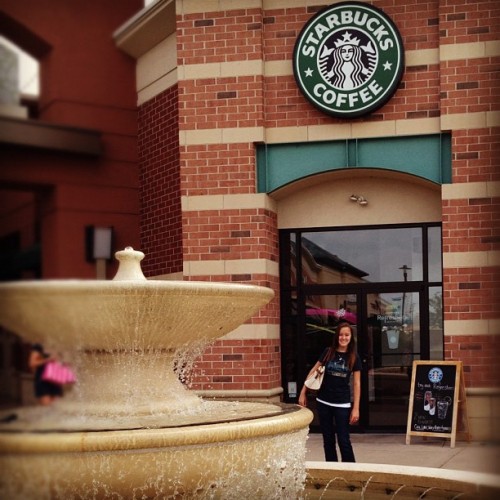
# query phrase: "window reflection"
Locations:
[[392, 344], [372, 255], [394, 324], [325, 312], [319, 266]]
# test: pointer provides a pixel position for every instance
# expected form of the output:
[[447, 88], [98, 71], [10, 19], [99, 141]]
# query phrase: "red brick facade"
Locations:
[[479, 355], [218, 169], [239, 365], [432, 90], [161, 228], [472, 225]]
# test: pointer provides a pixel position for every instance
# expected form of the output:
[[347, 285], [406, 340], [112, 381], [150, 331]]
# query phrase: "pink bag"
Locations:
[[57, 373]]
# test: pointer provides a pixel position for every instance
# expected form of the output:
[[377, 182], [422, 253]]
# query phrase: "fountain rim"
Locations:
[[291, 421], [410, 475], [67, 285]]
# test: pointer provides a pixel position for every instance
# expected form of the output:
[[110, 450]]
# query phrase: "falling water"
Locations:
[[111, 475], [129, 428]]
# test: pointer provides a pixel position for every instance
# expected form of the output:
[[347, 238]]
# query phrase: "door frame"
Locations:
[[293, 299]]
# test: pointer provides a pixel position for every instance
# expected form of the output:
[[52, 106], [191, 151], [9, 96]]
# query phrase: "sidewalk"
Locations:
[[434, 452]]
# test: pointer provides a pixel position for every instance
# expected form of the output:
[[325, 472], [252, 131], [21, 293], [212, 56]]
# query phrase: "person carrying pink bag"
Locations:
[[45, 392]]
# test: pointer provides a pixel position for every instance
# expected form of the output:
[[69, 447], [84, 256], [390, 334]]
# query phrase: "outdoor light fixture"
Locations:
[[359, 199], [99, 247]]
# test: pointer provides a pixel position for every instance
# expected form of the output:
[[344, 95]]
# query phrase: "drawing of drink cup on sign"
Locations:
[[427, 400], [442, 406], [432, 406]]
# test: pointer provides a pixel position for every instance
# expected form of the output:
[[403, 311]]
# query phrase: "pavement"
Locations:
[[430, 452]]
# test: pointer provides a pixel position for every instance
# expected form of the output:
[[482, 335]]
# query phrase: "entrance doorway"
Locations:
[[386, 283]]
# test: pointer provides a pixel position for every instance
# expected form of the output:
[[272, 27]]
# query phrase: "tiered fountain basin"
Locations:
[[129, 428], [262, 457]]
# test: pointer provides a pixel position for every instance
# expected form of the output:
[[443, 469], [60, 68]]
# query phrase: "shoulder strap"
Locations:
[[327, 356]]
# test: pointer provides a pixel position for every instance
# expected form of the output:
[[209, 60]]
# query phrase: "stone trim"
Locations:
[[228, 202], [470, 190], [483, 391], [471, 259], [418, 126], [467, 121], [471, 327], [229, 267], [254, 331], [459, 51], [290, 135]]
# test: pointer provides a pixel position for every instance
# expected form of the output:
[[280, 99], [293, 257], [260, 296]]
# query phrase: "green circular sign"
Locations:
[[349, 59]]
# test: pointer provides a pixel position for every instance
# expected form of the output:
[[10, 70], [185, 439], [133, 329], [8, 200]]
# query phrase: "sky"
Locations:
[[28, 70], [28, 67]]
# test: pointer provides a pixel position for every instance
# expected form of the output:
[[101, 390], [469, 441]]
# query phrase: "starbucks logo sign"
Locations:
[[348, 59]]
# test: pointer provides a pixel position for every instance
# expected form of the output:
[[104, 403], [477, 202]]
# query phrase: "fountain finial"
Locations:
[[129, 267]]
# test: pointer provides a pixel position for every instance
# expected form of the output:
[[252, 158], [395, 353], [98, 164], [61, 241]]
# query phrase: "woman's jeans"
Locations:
[[327, 415]]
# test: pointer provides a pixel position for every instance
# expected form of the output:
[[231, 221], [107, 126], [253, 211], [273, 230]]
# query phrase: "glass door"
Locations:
[[386, 282], [391, 341]]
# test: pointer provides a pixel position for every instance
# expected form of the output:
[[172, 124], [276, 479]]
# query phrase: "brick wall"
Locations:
[[161, 228], [464, 22], [239, 365], [222, 103], [218, 169], [213, 37], [432, 90], [471, 85], [479, 355], [476, 154], [470, 293], [230, 234], [250, 364], [227, 169]]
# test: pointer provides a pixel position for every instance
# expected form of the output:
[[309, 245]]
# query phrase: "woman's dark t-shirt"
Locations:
[[336, 387]]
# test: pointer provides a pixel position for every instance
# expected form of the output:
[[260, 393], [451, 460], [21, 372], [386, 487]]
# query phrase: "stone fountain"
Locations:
[[129, 428]]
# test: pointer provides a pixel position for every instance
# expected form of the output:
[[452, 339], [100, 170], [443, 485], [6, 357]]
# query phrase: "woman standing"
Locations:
[[45, 392], [334, 407]]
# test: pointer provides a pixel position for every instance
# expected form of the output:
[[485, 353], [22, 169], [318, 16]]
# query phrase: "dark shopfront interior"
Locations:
[[386, 281]]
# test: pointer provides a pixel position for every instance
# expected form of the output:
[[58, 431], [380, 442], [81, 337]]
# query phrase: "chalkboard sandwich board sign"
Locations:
[[437, 397]]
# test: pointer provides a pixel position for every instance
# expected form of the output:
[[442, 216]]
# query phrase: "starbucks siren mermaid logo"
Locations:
[[347, 63]]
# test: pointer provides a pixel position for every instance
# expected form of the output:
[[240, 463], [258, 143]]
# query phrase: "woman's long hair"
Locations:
[[351, 347]]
